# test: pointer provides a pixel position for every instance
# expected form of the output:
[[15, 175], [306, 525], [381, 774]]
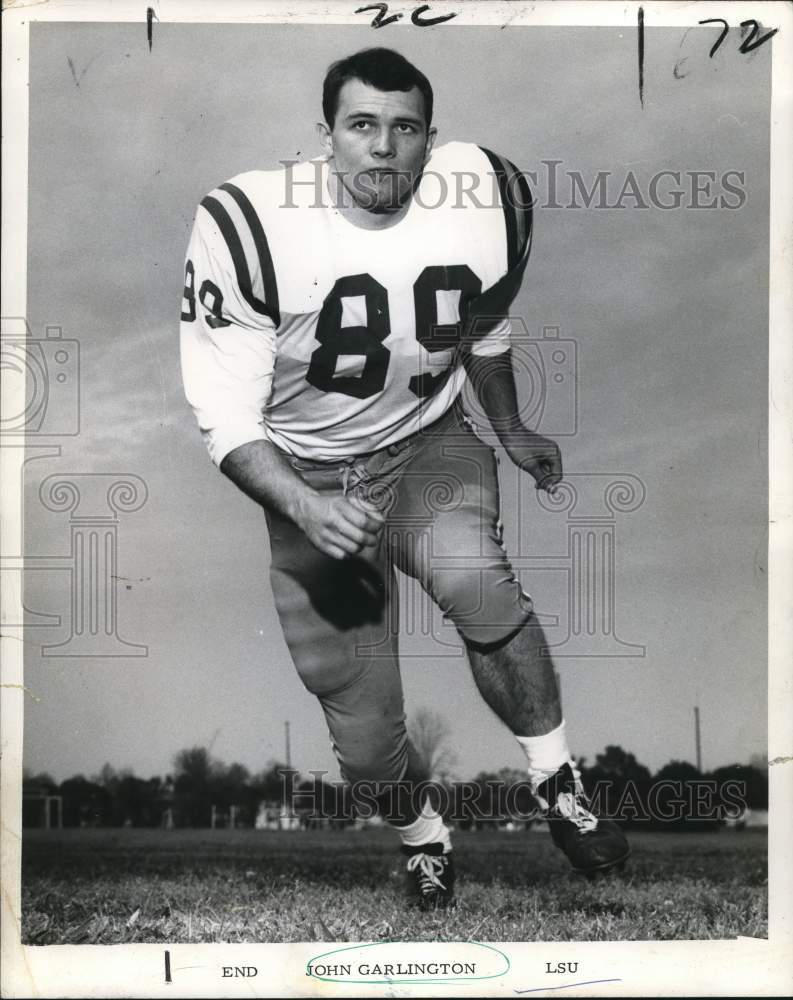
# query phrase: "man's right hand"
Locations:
[[339, 526]]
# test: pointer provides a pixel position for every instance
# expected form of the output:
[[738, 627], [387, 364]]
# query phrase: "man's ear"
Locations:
[[432, 135], [325, 138]]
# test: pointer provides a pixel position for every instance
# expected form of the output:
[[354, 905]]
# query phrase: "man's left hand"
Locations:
[[537, 455]]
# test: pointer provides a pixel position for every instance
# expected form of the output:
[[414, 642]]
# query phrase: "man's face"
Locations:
[[379, 143]]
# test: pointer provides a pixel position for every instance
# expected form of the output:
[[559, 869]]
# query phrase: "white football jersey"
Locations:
[[333, 341]]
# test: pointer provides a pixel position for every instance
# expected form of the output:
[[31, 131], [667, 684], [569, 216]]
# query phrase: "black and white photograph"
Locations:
[[396, 499]]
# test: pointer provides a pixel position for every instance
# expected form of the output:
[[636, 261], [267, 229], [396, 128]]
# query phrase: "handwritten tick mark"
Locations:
[[567, 986], [75, 77], [150, 15], [641, 55]]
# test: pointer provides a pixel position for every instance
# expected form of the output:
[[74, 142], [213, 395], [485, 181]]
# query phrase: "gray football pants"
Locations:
[[439, 490]]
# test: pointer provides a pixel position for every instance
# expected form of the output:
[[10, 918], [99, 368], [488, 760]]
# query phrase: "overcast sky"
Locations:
[[667, 309]]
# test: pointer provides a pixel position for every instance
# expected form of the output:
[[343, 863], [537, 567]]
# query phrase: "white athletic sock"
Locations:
[[429, 828], [545, 754]]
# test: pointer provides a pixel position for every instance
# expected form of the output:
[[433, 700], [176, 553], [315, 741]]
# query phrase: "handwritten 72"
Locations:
[[750, 31]]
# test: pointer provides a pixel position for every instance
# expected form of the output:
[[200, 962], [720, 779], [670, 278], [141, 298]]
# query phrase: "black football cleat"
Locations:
[[592, 845], [431, 873]]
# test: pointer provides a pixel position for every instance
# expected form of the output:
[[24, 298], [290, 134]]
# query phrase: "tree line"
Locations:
[[201, 787]]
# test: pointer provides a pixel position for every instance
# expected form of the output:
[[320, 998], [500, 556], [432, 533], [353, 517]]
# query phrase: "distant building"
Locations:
[[749, 819], [276, 816]]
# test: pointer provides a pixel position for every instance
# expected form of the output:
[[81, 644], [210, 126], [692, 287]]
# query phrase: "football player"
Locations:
[[332, 312]]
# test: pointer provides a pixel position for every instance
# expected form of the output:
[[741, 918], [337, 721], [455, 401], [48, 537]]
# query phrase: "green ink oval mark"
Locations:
[[441, 978]]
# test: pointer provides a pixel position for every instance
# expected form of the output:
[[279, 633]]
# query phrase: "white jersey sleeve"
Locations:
[[227, 345], [496, 341]]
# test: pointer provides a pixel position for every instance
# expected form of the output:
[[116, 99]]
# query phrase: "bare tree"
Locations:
[[430, 736]]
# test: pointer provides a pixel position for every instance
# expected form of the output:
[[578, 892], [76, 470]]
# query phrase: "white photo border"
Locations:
[[745, 966]]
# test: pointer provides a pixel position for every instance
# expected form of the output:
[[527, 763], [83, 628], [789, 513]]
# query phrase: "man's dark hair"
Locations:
[[380, 68]]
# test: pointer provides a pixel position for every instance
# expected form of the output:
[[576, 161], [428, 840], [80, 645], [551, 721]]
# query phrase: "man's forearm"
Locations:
[[261, 471], [493, 380]]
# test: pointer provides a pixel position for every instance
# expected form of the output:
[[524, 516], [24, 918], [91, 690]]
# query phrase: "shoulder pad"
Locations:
[[231, 206]]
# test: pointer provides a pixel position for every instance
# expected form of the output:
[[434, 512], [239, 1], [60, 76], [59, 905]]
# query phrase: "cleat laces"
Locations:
[[568, 807], [572, 806], [429, 869]]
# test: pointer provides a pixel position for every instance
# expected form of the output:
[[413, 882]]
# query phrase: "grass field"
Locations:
[[120, 886]]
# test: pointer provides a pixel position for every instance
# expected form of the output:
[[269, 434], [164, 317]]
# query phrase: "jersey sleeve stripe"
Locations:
[[262, 247], [509, 216], [523, 210], [516, 205], [229, 233]]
